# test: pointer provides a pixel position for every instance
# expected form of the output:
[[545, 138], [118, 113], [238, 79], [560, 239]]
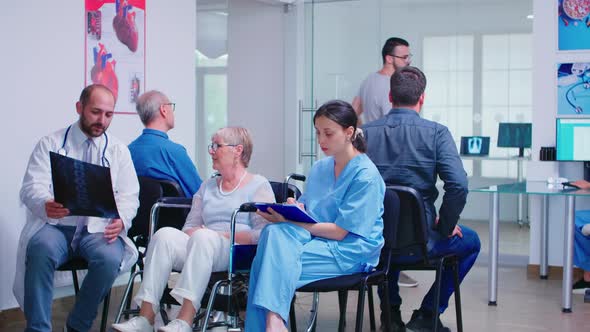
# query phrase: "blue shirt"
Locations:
[[156, 156], [353, 201], [412, 151]]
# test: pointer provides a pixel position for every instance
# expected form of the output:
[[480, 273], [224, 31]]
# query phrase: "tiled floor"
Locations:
[[523, 304]]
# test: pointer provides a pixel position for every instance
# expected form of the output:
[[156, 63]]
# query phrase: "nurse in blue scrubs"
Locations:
[[345, 193]]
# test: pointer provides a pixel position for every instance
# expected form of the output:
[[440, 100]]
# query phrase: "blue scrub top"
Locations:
[[354, 201]]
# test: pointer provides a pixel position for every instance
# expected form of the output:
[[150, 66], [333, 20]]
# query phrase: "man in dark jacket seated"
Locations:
[[413, 152]]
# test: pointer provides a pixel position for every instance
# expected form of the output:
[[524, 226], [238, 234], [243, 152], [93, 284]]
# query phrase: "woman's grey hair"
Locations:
[[148, 105], [237, 136]]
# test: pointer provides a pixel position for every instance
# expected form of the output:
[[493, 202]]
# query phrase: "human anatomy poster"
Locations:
[[573, 20], [573, 88], [115, 49]]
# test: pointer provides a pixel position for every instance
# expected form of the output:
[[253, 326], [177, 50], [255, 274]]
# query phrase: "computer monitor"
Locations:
[[515, 135], [475, 145], [572, 141]]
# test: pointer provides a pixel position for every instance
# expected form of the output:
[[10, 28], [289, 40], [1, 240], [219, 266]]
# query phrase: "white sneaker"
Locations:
[[586, 229], [135, 324], [406, 281], [177, 325]]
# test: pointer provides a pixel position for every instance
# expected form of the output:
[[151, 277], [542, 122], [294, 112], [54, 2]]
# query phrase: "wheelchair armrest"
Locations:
[[167, 202], [176, 200], [248, 207]]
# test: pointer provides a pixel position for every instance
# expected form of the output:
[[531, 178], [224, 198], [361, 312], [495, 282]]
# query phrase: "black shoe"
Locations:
[[581, 284], [422, 321], [397, 324]]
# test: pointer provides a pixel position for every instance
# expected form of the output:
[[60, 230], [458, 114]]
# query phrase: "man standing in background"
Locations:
[[372, 100]]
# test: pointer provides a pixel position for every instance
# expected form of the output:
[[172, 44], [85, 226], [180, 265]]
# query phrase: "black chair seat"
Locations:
[[350, 281], [76, 263]]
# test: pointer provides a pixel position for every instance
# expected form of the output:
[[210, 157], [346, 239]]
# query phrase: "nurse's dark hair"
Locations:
[[343, 114], [87, 93]]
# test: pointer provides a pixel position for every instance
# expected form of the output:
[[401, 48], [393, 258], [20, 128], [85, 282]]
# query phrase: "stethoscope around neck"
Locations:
[[104, 161]]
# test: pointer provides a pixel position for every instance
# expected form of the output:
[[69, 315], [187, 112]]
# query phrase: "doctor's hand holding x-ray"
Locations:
[[56, 210]]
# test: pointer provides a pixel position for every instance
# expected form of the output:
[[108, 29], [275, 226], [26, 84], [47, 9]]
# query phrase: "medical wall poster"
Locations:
[[115, 49], [573, 25], [573, 88]]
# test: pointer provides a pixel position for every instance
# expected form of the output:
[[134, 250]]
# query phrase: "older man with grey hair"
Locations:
[[154, 154]]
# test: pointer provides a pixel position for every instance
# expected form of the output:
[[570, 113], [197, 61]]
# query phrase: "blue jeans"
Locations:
[[466, 248], [581, 241], [46, 251]]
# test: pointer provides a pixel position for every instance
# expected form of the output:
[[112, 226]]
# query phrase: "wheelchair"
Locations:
[[227, 291]]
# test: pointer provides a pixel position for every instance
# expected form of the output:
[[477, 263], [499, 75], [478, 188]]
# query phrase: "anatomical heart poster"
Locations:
[[115, 49]]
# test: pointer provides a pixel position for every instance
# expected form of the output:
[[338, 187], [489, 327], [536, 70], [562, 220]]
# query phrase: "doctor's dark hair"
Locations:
[[87, 93], [391, 44], [343, 114], [407, 85]]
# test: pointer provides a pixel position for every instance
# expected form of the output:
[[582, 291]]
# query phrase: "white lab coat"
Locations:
[[37, 189]]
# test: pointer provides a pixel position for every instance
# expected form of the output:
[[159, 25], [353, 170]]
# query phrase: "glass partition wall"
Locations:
[[211, 58], [476, 55]]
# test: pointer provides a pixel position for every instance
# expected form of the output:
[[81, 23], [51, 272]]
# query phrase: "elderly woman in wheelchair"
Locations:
[[203, 245]]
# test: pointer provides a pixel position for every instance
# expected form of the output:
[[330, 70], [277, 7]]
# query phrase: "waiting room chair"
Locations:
[[361, 281], [411, 240], [79, 263], [150, 191]]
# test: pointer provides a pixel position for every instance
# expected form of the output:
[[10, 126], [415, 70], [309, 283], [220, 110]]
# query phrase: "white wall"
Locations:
[[545, 59], [42, 61], [256, 83]]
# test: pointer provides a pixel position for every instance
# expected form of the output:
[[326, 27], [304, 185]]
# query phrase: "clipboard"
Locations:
[[289, 211], [83, 188]]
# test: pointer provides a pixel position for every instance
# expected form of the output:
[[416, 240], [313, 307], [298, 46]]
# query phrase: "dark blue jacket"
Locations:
[[412, 151]]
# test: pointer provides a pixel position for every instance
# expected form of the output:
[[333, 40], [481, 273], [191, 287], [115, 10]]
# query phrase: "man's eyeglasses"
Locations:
[[172, 105], [403, 57], [214, 146]]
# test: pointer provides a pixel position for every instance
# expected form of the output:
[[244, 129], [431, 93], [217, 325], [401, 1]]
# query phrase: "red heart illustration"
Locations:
[[124, 25], [103, 71]]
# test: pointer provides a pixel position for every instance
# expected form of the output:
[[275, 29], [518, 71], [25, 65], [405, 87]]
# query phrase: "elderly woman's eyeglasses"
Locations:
[[214, 146]]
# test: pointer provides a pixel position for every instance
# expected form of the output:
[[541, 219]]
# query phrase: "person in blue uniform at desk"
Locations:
[[582, 241], [345, 193], [156, 156]]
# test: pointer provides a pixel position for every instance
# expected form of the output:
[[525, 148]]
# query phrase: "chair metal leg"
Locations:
[[311, 324], [292, 317], [342, 302], [438, 282], [105, 312], [75, 279], [387, 313], [360, 308], [371, 308], [129, 298], [458, 296], [127, 295], [214, 291]]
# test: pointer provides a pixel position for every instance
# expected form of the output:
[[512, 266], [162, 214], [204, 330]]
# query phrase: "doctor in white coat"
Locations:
[[51, 236]]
